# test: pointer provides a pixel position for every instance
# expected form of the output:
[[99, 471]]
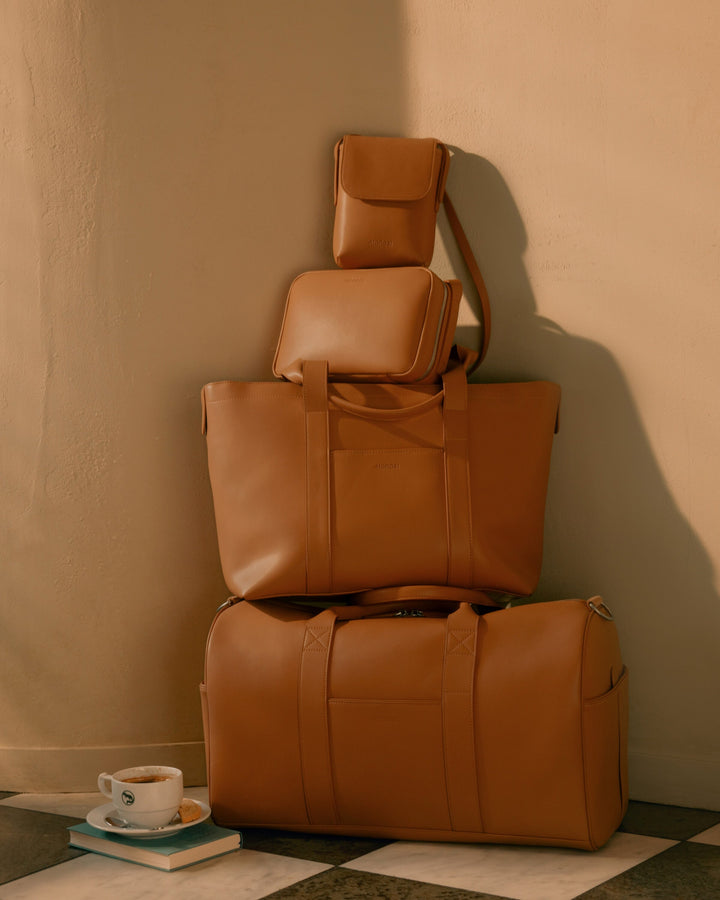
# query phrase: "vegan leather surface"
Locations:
[[376, 325], [387, 194], [508, 726], [344, 487]]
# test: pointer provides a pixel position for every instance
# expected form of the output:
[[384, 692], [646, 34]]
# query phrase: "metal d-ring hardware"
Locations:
[[598, 608]]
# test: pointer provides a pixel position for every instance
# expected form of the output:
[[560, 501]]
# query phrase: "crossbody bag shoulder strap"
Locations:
[[475, 274]]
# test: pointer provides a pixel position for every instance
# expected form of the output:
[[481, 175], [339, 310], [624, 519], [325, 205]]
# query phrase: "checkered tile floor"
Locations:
[[660, 852]]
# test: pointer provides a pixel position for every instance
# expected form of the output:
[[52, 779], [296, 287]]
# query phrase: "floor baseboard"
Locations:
[[675, 780], [75, 769]]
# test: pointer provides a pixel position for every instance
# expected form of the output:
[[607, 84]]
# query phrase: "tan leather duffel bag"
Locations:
[[504, 727], [331, 489]]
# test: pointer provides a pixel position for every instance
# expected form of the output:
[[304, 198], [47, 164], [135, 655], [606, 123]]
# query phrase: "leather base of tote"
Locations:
[[330, 489], [387, 195], [505, 727], [369, 324]]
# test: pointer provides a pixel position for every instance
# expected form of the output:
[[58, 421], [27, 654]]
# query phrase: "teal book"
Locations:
[[184, 848]]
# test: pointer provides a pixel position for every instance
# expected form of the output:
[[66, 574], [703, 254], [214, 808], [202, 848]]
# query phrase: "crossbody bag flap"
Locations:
[[388, 169]]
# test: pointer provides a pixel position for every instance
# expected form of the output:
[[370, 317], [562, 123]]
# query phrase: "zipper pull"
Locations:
[[229, 602]]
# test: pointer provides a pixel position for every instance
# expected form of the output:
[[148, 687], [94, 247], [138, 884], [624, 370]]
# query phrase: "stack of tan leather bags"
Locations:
[[375, 512]]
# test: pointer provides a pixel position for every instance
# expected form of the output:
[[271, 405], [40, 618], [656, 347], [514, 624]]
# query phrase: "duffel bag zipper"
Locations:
[[229, 602]]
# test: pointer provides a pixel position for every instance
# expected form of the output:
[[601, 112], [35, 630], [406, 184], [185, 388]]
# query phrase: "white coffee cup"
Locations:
[[144, 796]]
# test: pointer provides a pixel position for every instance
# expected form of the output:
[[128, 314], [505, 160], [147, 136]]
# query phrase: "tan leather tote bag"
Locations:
[[335, 488], [377, 325], [507, 726]]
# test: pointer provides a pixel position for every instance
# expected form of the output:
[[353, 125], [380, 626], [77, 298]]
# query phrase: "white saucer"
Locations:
[[96, 818]]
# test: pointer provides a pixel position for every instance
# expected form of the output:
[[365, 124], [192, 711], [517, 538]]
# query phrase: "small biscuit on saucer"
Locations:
[[189, 811]]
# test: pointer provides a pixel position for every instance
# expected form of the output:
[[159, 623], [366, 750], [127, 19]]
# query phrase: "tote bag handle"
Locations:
[[315, 385], [317, 475]]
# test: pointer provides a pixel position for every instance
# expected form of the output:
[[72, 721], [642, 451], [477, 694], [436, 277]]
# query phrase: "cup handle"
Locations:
[[105, 784]]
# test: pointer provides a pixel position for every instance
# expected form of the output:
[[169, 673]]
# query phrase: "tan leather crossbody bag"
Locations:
[[387, 195]]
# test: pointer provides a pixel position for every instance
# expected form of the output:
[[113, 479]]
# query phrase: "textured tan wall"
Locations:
[[166, 172]]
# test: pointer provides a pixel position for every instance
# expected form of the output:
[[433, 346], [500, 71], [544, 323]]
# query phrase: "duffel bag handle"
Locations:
[[410, 594], [426, 598], [377, 610]]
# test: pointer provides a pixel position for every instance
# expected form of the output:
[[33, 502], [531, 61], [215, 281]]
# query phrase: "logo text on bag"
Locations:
[[386, 466], [380, 243]]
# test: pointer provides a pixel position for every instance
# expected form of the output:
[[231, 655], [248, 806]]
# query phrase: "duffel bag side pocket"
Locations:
[[605, 720]]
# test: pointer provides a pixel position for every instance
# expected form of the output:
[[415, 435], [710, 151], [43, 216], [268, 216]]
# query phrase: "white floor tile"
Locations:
[[76, 805], [519, 873], [710, 836], [242, 875]]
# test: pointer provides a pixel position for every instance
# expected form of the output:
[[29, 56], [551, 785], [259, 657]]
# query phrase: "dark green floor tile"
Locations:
[[344, 884], [674, 822], [331, 849], [684, 872], [30, 841]]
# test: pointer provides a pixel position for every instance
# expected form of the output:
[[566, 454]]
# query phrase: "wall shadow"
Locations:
[[613, 526]]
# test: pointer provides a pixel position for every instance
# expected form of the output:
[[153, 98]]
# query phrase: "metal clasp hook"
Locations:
[[599, 607]]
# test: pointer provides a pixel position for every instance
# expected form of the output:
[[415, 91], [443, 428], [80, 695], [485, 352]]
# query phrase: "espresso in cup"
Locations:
[[144, 796], [146, 779]]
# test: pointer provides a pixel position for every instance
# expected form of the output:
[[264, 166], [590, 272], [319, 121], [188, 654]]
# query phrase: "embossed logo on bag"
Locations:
[[386, 466], [380, 243]]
